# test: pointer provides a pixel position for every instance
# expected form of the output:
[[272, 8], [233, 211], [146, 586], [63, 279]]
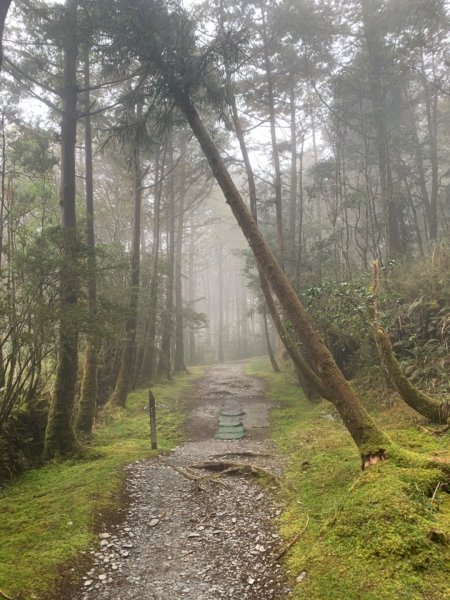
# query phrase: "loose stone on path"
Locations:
[[179, 541]]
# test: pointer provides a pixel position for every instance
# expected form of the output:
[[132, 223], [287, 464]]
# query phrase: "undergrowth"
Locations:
[[48, 514], [373, 535]]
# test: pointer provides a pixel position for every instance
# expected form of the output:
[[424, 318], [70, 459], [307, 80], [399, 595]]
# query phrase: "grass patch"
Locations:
[[47, 515], [375, 535]]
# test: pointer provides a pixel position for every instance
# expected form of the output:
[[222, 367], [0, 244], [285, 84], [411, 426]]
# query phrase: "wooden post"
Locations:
[[152, 412]]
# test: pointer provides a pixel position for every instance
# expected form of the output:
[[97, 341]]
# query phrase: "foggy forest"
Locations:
[[224, 299]]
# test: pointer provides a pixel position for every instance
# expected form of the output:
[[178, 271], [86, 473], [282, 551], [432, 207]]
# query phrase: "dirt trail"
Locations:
[[181, 541]]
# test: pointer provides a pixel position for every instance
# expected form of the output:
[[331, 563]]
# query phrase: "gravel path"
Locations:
[[183, 540]]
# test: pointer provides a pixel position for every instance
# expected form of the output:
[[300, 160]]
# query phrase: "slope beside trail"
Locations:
[[183, 540]]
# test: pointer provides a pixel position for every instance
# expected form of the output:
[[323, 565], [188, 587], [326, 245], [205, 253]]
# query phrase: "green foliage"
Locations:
[[340, 311], [415, 311], [48, 514], [375, 535]]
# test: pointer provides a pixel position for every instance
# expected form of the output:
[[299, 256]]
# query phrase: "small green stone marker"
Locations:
[[230, 425]]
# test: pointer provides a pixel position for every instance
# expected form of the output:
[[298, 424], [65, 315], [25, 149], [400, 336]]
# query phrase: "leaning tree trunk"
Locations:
[[59, 436], [371, 441], [434, 410], [303, 368], [124, 380], [88, 395]]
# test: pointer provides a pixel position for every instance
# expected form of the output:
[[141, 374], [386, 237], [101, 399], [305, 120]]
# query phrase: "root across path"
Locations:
[[199, 526]]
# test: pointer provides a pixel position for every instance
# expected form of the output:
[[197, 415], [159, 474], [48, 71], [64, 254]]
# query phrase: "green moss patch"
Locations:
[[376, 535], [48, 514]]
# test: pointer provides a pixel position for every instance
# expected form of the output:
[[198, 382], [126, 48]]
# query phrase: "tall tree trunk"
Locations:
[[220, 353], [244, 318], [293, 182], [393, 237], [88, 395], [179, 364], [164, 365], [191, 292], [303, 366], [4, 7], [431, 112], [273, 362], [2, 215], [300, 219], [59, 436], [273, 137], [149, 357], [371, 441], [124, 380]]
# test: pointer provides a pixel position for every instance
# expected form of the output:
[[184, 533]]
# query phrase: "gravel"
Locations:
[[180, 540]]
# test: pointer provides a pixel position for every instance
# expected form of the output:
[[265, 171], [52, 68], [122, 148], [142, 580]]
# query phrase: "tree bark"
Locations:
[[273, 362], [179, 364], [371, 441], [293, 182], [88, 395], [164, 365], [273, 137], [149, 357], [431, 112], [191, 291], [60, 437], [303, 367], [124, 380], [393, 237], [4, 7], [434, 410], [220, 353]]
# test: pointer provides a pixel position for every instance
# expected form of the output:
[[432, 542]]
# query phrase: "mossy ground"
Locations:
[[373, 535], [48, 514]]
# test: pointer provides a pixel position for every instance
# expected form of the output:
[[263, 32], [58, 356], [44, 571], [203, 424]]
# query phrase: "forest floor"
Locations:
[[181, 537]]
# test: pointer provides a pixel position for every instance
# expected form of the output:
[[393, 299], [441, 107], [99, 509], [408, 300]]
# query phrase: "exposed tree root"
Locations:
[[287, 545], [200, 479], [4, 595], [228, 468], [243, 453], [436, 432]]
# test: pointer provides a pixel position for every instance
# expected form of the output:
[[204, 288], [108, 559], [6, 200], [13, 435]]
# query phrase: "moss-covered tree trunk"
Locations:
[[59, 436], [435, 410], [88, 395], [125, 378], [371, 441]]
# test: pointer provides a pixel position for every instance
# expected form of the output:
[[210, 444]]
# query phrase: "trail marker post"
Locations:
[[152, 413]]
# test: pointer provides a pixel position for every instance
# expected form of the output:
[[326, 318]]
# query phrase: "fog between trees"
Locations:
[[121, 261]]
